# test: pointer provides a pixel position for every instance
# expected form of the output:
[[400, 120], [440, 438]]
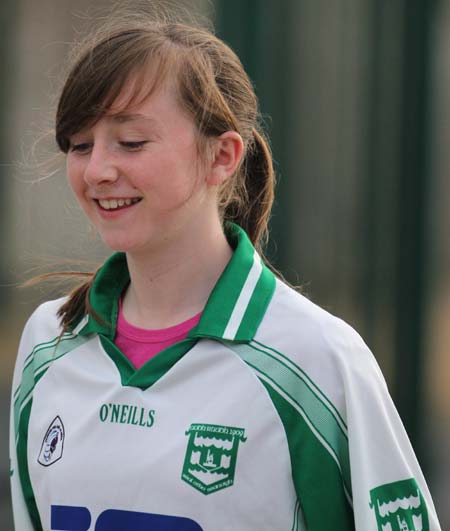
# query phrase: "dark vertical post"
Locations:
[[412, 219], [259, 32], [396, 204]]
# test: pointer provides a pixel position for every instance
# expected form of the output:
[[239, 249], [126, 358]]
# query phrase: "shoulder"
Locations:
[[42, 329], [43, 324], [292, 319], [324, 347]]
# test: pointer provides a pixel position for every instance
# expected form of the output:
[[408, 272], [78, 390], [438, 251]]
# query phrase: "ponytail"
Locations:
[[77, 305], [252, 211]]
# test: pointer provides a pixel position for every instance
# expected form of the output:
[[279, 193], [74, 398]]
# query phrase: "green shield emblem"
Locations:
[[399, 506], [211, 456]]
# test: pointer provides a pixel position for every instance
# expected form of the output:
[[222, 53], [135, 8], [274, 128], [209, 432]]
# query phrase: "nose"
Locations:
[[101, 167]]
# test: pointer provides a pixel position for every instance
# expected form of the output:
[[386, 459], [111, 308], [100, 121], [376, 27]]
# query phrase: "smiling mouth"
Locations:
[[116, 204]]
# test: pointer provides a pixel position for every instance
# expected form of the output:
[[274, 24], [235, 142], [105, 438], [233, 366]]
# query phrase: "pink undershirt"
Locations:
[[139, 344]]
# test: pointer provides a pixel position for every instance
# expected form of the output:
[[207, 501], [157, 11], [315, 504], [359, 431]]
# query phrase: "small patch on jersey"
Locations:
[[399, 506], [211, 456], [53, 443]]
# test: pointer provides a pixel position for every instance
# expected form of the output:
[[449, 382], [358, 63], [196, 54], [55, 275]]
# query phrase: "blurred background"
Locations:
[[356, 95]]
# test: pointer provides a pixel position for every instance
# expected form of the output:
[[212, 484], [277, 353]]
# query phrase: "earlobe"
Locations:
[[228, 151]]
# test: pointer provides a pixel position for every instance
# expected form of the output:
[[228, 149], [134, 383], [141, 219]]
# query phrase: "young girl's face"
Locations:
[[137, 175]]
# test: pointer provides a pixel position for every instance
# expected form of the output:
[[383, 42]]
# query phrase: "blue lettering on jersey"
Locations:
[[114, 520], [67, 518]]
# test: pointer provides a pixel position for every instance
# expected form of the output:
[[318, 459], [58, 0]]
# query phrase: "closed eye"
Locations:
[[134, 146], [83, 147], [86, 147]]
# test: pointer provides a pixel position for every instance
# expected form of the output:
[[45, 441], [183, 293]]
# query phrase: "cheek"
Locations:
[[180, 189], [169, 181], [75, 178]]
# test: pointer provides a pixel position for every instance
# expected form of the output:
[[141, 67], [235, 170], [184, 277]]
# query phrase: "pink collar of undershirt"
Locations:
[[135, 333]]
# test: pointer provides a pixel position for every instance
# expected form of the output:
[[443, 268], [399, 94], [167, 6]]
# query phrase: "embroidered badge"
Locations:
[[211, 456], [399, 506], [53, 443]]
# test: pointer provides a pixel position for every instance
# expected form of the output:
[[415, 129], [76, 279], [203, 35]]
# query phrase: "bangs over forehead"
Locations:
[[100, 75]]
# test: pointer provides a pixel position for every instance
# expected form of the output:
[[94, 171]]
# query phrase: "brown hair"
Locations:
[[212, 87]]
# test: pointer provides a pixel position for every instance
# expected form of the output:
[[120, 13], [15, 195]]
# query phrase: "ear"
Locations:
[[227, 153]]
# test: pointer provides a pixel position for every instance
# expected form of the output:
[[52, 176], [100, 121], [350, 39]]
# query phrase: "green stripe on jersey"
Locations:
[[244, 298], [261, 296], [316, 433], [299, 524], [317, 479], [24, 473], [239, 300], [223, 298], [37, 364], [307, 380], [288, 381]]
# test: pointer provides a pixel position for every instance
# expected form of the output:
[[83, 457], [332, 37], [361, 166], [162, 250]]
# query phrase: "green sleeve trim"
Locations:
[[38, 362], [302, 374], [40, 346], [310, 406], [24, 474], [299, 523], [317, 479]]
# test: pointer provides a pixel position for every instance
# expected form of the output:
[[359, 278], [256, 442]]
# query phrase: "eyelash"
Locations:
[[83, 147], [134, 146]]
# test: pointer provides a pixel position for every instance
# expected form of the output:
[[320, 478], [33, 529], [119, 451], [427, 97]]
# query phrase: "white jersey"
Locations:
[[272, 416]]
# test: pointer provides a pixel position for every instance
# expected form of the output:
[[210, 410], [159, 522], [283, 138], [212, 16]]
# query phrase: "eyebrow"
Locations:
[[132, 117]]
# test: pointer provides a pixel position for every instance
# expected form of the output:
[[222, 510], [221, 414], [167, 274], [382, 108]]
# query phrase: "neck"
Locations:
[[170, 284]]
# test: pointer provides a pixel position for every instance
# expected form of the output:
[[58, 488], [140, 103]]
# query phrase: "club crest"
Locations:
[[211, 456], [53, 443], [399, 506]]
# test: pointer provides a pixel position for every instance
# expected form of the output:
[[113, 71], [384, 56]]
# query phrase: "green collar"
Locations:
[[233, 311]]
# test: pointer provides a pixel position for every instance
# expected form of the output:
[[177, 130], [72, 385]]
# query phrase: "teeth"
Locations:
[[111, 204]]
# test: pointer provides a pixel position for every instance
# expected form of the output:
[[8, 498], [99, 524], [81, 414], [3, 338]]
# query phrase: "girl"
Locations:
[[184, 386]]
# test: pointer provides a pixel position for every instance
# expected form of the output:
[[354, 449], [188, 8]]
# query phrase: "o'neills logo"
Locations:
[[53, 443], [127, 414], [211, 456]]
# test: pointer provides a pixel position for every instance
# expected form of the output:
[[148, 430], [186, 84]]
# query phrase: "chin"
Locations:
[[119, 245], [118, 240], [132, 243]]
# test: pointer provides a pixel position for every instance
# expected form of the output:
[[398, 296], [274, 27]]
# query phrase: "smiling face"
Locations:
[[137, 174]]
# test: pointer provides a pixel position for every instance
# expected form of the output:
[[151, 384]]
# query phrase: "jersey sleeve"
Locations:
[[351, 460], [22, 520], [388, 487]]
